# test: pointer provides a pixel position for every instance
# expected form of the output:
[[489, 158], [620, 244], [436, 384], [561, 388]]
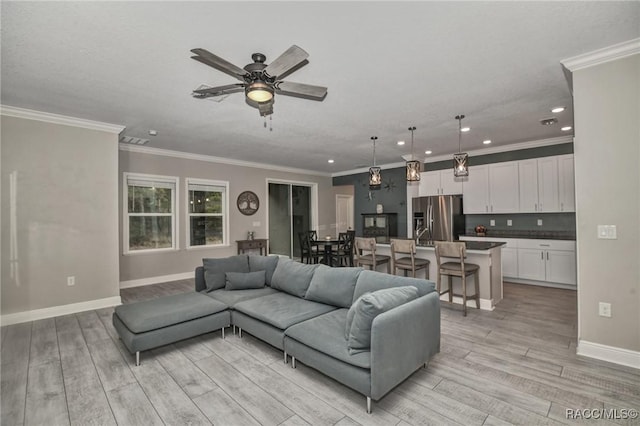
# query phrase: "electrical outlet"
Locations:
[[539, 222], [492, 222], [71, 281], [509, 222], [607, 232], [604, 309]]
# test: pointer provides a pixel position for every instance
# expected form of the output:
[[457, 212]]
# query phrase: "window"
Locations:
[[150, 215], [207, 213]]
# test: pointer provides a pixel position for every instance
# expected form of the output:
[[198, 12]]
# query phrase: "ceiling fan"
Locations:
[[260, 82]]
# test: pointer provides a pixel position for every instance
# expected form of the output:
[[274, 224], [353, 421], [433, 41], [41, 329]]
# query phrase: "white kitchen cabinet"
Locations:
[[439, 182], [476, 190], [566, 183], [503, 187], [538, 185], [551, 261]]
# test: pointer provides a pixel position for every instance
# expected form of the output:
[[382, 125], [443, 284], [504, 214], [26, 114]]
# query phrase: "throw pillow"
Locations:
[[350, 315], [292, 277], [333, 286], [263, 263], [244, 280], [215, 269], [371, 305]]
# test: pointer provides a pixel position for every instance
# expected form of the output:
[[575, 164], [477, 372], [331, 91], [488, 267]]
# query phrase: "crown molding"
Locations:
[[493, 150], [366, 169], [506, 148], [47, 117], [219, 160], [601, 56]]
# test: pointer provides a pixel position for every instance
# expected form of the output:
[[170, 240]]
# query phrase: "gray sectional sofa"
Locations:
[[365, 329]]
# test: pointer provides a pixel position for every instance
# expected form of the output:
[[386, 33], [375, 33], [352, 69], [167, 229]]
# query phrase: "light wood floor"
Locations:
[[515, 365]]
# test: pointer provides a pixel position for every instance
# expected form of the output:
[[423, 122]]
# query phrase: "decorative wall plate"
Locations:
[[248, 203]]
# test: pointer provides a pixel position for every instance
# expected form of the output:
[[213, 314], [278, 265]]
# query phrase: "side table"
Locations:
[[253, 245]]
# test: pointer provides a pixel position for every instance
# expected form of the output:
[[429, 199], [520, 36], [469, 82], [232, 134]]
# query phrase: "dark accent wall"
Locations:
[[392, 195]]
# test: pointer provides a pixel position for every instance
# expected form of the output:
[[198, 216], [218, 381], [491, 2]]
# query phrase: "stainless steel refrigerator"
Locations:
[[438, 218]]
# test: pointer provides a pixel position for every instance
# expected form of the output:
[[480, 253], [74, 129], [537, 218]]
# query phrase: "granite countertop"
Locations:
[[541, 235]]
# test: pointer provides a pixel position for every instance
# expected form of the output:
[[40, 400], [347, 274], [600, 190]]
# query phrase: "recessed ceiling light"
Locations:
[[465, 129], [487, 142], [428, 152], [330, 161], [557, 109], [566, 128], [401, 143], [153, 132]]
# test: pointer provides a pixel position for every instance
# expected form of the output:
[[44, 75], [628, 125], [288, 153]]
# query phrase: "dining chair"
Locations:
[[456, 268], [403, 256], [344, 254], [307, 251], [372, 259]]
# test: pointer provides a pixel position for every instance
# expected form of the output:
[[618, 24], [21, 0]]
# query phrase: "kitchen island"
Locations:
[[486, 254]]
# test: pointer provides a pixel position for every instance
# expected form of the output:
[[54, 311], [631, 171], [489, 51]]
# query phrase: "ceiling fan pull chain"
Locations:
[[270, 120], [265, 121]]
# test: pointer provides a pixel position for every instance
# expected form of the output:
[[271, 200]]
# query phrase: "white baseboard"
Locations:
[[485, 304], [54, 311], [609, 353], [157, 280]]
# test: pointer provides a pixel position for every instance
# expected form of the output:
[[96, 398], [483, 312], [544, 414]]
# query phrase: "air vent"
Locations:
[[133, 140], [548, 121]]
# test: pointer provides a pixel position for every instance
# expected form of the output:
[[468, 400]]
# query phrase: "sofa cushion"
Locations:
[[371, 305], [282, 310], [350, 314], [333, 286], [370, 281], [233, 297], [325, 334], [166, 311], [215, 269], [263, 263], [292, 277], [244, 280]]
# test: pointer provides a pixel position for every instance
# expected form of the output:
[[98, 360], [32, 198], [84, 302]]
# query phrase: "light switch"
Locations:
[[539, 222], [607, 232], [492, 222], [509, 222]]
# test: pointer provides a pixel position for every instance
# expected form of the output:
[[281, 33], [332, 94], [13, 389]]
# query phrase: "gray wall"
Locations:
[[607, 155], [240, 178], [66, 214], [392, 195]]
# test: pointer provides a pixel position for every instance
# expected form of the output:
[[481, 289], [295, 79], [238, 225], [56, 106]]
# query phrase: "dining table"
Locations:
[[327, 245]]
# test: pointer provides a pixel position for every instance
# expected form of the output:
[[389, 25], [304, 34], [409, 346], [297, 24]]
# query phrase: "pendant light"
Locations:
[[413, 166], [461, 159], [375, 179]]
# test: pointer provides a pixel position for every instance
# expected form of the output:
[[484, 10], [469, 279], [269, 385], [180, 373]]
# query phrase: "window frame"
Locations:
[[175, 196], [225, 213]]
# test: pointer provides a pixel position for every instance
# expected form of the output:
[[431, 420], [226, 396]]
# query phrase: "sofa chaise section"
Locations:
[[157, 322]]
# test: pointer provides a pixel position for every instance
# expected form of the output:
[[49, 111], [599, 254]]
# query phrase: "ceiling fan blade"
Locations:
[[306, 91], [218, 63], [283, 63], [265, 108], [218, 91]]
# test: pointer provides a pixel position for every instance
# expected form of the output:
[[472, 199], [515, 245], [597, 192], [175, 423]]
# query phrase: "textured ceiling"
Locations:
[[388, 65]]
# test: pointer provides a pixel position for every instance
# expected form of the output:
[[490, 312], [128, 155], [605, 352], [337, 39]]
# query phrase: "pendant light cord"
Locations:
[[374, 138], [412, 128], [459, 118]]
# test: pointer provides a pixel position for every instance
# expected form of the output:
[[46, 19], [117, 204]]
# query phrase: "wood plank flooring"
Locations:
[[514, 365]]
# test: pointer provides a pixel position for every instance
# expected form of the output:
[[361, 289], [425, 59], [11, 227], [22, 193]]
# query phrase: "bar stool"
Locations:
[[457, 268], [407, 263], [372, 260]]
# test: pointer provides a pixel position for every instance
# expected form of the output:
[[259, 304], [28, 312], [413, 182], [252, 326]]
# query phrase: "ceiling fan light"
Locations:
[[259, 92]]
